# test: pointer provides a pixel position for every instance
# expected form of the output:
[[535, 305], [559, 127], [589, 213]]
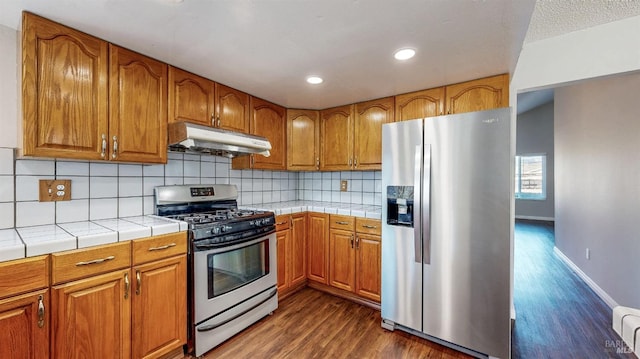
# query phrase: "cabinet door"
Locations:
[[137, 107], [191, 98], [318, 247], [336, 138], [478, 95], [298, 258], [303, 145], [420, 104], [368, 267], [342, 263], [24, 321], [91, 318], [64, 91], [159, 307], [370, 116], [232, 109], [283, 239], [268, 120]]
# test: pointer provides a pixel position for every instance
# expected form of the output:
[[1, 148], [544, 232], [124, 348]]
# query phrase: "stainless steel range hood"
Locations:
[[189, 137]]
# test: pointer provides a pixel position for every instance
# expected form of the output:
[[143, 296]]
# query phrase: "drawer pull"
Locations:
[[281, 223], [40, 311], [162, 247], [342, 222], [369, 226], [95, 261]]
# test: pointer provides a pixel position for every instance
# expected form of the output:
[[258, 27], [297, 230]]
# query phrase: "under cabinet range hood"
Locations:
[[189, 137]]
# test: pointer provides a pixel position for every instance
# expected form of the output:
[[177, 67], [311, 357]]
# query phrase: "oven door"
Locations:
[[229, 275]]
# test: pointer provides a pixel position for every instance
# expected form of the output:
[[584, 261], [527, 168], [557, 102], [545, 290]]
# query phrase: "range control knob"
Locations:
[[215, 230], [252, 223], [225, 228]]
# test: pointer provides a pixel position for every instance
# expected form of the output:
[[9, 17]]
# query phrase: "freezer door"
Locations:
[[466, 283], [402, 158]]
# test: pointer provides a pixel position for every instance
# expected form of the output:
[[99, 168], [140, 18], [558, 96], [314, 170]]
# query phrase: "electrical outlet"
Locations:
[[343, 186], [588, 253], [55, 190]]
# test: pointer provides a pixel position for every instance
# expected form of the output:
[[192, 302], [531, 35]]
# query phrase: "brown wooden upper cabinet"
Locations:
[[267, 120], [478, 95], [191, 98], [370, 116], [137, 107], [232, 109], [420, 104], [86, 99], [303, 140], [336, 138]]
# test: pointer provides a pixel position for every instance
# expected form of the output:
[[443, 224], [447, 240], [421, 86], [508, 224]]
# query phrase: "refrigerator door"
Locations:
[[466, 284], [402, 157]]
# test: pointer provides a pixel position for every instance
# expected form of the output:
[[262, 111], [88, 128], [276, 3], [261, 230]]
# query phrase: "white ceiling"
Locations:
[[268, 47]]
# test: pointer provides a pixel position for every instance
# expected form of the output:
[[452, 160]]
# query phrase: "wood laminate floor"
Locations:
[[558, 316]]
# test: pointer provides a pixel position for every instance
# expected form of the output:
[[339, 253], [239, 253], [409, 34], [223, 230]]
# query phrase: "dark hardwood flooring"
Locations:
[[557, 314]]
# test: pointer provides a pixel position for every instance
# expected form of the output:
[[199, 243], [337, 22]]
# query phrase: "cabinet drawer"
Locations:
[[283, 222], [342, 222], [158, 247], [369, 226], [23, 275], [80, 263]]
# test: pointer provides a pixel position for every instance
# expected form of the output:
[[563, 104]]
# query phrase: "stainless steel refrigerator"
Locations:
[[446, 193]]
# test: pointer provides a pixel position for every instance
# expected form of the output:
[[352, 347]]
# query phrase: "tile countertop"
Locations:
[[37, 240], [347, 209]]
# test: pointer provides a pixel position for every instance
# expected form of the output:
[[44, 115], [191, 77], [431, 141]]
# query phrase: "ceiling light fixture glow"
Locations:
[[314, 80], [404, 54]]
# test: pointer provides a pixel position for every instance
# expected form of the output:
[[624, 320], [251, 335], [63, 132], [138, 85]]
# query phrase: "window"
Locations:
[[531, 177]]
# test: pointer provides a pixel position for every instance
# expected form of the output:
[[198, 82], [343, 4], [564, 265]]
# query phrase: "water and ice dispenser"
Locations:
[[400, 205]]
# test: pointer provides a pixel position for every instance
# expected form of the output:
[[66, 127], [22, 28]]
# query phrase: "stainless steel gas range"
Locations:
[[232, 260]]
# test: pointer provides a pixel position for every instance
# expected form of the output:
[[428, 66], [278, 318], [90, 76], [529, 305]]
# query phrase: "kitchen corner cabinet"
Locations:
[[303, 140], [137, 107], [267, 120], [64, 91], [336, 138], [291, 233], [318, 247], [478, 95], [355, 255], [420, 104], [191, 98], [369, 118], [84, 98], [24, 308]]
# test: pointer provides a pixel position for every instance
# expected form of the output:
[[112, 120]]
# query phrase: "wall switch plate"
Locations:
[[55, 190], [588, 253], [343, 186]]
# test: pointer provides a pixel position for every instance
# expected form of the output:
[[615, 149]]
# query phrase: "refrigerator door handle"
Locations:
[[417, 210], [426, 207]]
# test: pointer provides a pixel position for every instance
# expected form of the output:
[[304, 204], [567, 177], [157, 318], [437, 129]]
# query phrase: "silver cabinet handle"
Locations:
[[355, 162], [281, 223], [352, 241], [138, 283], [115, 147], [357, 242], [40, 311], [162, 247], [369, 226], [218, 122], [213, 119], [95, 261], [317, 163], [342, 222], [350, 161], [104, 146]]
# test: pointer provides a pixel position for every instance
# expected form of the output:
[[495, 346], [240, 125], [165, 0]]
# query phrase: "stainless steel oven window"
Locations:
[[238, 267]]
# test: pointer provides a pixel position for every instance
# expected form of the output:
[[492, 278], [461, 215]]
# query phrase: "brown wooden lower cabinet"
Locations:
[[368, 267], [291, 243], [24, 325], [342, 264], [318, 247]]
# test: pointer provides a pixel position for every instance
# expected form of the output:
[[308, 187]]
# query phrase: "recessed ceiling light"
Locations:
[[404, 54], [314, 80]]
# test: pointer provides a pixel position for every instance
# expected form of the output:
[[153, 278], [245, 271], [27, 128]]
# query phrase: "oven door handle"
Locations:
[[214, 326], [244, 242]]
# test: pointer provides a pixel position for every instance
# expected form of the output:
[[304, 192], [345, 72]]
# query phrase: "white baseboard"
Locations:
[[535, 218], [596, 288]]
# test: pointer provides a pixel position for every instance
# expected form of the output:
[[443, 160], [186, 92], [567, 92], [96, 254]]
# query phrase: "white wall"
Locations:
[[535, 136], [597, 144], [9, 100]]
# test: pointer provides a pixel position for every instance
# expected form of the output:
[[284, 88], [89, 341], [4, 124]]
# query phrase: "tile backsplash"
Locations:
[[102, 190]]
